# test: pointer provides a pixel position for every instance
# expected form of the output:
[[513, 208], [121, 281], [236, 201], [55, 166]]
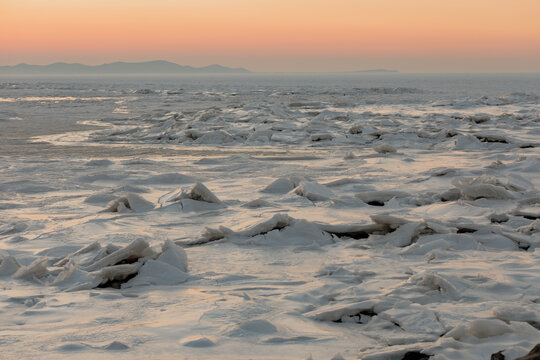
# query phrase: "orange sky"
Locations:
[[277, 35]]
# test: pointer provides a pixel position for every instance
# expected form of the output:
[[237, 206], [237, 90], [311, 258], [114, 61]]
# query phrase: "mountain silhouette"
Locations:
[[147, 67]]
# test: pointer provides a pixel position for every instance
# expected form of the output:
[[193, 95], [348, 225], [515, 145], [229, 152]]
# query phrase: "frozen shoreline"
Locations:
[[366, 223]]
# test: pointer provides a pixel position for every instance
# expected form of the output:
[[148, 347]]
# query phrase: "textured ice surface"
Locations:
[[270, 217]]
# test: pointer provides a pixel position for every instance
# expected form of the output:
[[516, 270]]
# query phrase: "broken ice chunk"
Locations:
[[129, 202]]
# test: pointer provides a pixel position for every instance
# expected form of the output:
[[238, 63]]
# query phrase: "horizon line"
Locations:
[[247, 71]]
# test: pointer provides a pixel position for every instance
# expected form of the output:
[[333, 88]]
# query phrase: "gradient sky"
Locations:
[[278, 35]]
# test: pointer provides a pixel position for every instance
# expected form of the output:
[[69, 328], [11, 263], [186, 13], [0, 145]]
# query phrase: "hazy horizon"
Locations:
[[416, 36], [240, 67]]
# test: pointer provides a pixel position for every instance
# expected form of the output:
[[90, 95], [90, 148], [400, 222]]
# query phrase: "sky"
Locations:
[[278, 35]]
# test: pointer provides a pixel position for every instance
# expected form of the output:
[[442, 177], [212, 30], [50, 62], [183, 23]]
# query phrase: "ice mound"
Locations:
[[99, 162], [253, 328], [437, 283], [199, 341], [340, 273], [280, 229], [276, 222], [414, 319], [215, 137], [144, 91], [342, 181], [116, 346], [516, 182], [349, 156], [128, 203], [478, 118], [8, 265], [360, 312], [207, 114], [156, 272], [385, 148], [95, 266], [37, 269], [196, 198], [411, 318], [283, 185], [482, 187], [480, 328], [530, 229], [298, 233], [403, 235], [199, 192], [384, 229], [441, 171], [13, 228], [314, 191], [72, 347], [356, 129], [524, 313], [492, 138], [391, 320], [466, 142], [257, 203]]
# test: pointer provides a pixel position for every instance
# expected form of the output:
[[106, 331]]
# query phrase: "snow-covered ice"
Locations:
[[270, 216]]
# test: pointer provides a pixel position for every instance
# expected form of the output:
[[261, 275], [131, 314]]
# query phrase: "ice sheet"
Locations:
[[270, 217]]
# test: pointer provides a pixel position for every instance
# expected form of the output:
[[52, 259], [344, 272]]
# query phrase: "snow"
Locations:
[[385, 148], [314, 191], [197, 192], [198, 341], [280, 186], [127, 203], [270, 217]]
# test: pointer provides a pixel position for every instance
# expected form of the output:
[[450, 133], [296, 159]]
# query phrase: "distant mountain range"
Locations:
[[148, 67]]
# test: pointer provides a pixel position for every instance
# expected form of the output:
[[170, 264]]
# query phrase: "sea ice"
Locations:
[[346, 216]]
